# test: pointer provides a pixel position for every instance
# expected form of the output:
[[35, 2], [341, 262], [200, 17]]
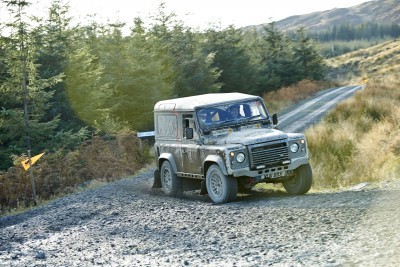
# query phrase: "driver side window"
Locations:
[[189, 122]]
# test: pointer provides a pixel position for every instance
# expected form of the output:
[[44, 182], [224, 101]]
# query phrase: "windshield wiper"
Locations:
[[256, 116], [216, 125], [252, 117], [224, 122]]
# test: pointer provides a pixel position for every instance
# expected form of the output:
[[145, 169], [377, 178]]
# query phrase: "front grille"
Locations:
[[268, 154]]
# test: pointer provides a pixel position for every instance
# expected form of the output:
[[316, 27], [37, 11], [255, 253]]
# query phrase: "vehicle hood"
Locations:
[[251, 136]]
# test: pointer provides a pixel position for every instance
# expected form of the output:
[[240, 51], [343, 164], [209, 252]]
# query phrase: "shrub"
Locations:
[[359, 141], [100, 158]]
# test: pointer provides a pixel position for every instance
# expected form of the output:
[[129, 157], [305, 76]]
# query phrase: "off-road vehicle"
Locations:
[[229, 143]]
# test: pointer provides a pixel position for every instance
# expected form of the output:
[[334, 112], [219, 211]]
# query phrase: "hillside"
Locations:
[[360, 140], [377, 62], [380, 11]]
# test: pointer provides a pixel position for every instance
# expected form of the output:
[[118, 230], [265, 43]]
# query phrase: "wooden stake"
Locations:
[[32, 178]]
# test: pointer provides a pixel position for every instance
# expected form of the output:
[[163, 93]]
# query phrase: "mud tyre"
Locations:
[[171, 184], [220, 187], [301, 182]]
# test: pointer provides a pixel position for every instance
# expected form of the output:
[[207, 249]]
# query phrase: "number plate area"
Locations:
[[277, 174]]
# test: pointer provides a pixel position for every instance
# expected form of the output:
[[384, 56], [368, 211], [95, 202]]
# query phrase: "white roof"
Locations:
[[191, 102]]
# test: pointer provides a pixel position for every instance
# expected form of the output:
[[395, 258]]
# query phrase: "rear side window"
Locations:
[[166, 126]]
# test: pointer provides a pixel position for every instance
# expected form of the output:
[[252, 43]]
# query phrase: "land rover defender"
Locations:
[[228, 142]]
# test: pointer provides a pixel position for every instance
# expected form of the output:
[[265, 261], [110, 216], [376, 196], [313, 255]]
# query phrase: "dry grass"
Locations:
[[99, 160], [378, 62], [359, 141], [278, 100]]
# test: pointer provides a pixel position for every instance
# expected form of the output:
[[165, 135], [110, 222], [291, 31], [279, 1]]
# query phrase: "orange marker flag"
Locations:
[[25, 163]]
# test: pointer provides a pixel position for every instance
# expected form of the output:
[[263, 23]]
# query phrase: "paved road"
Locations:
[[308, 112]]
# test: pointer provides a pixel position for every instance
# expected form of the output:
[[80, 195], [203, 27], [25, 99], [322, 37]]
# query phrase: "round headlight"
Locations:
[[240, 157], [294, 147]]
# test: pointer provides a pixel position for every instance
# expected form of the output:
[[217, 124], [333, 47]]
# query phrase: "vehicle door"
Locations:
[[191, 154]]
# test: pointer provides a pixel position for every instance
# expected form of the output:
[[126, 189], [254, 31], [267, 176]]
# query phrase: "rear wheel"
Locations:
[[221, 188], [171, 184], [301, 182]]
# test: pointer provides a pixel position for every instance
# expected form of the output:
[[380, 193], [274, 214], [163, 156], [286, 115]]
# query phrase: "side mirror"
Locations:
[[189, 133], [274, 119]]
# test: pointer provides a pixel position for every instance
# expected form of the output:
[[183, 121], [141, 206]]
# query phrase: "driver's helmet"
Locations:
[[235, 111]]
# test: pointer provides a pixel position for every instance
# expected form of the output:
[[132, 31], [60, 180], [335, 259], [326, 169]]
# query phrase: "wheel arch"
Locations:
[[214, 159], [167, 156]]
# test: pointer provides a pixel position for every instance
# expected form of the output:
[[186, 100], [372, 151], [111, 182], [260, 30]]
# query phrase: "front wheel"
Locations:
[[171, 184], [301, 182], [221, 188]]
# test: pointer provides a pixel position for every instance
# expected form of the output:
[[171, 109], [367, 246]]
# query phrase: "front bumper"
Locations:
[[270, 172]]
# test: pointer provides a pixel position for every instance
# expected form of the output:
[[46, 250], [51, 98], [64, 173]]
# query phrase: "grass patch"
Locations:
[[359, 141], [279, 100]]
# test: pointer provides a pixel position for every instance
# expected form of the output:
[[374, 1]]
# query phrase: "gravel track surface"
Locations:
[[310, 111], [127, 223]]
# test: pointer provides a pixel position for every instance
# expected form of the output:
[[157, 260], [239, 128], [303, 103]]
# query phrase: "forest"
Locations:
[[341, 39], [62, 83], [365, 31]]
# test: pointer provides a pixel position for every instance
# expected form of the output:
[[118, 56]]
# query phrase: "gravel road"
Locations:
[[302, 115], [127, 223]]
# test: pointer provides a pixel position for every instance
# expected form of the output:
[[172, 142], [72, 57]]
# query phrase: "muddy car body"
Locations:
[[229, 142]]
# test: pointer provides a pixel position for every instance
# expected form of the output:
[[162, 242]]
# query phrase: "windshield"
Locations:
[[231, 113]]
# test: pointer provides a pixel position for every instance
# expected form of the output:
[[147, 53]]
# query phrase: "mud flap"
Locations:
[[157, 179], [203, 189]]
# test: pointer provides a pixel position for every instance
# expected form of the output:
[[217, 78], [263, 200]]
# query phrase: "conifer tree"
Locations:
[[23, 98], [194, 72], [148, 78], [85, 88], [276, 56], [238, 74], [309, 63], [56, 38]]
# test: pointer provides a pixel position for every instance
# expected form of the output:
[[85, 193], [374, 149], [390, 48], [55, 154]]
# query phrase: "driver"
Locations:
[[235, 112]]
